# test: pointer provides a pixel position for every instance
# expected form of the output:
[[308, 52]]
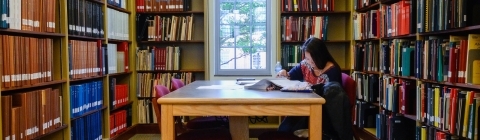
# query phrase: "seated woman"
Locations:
[[318, 67]]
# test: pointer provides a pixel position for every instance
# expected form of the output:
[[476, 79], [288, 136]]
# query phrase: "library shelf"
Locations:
[[76, 37], [121, 107], [30, 33], [453, 31], [88, 113], [118, 9], [118, 41], [171, 42], [366, 40], [86, 79], [370, 72], [51, 132], [119, 135], [411, 117], [388, 2], [403, 77], [97, 1], [462, 85], [326, 41], [54, 82], [172, 12], [119, 74], [368, 8], [366, 133], [302, 13], [168, 71], [400, 36]]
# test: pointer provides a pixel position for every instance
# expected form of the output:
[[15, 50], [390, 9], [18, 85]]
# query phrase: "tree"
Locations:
[[238, 20]]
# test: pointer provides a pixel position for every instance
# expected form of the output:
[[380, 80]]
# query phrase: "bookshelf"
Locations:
[[170, 42], [334, 20], [416, 66], [54, 71]]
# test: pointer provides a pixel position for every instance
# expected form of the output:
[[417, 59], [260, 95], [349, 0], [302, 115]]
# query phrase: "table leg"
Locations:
[[168, 127], [315, 122], [239, 127]]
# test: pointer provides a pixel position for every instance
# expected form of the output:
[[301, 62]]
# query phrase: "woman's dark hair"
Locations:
[[319, 52]]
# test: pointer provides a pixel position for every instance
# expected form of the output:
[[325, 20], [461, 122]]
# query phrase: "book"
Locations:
[[282, 84]]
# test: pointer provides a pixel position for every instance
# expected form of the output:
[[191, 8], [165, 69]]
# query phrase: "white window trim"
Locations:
[[272, 27]]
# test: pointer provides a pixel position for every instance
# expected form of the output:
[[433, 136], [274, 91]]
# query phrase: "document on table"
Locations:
[[284, 83]]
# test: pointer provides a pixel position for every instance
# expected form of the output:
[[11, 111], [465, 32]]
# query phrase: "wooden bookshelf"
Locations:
[[168, 71], [45, 84], [303, 13], [88, 113], [118, 41], [414, 38], [369, 7], [172, 12], [129, 103], [119, 9], [76, 37], [86, 79], [30, 33], [173, 42]]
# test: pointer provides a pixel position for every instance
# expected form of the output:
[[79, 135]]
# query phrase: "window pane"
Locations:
[[242, 34], [226, 58], [259, 36]]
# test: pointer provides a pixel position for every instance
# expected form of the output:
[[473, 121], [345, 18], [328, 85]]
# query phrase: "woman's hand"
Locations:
[[282, 74]]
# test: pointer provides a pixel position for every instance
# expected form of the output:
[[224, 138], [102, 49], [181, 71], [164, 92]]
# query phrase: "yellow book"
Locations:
[[424, 133], [466, 113], [436, 101], [473, 53], [476, 72]]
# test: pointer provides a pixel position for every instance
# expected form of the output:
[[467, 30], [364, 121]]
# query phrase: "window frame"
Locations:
[[268, 52]]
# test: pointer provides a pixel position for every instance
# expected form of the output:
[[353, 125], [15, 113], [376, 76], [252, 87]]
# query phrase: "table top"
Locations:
[[192, 95]]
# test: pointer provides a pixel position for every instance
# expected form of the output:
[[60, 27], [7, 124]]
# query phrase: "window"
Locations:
[[242, 39]]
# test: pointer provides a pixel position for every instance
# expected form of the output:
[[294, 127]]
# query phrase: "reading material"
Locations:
[[283, 84]]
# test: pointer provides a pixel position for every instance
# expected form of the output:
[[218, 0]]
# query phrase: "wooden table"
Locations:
[[238, 104]]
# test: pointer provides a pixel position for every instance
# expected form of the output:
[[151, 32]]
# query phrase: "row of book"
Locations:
[[91, 58], [85, 97], [146, 114], [118, 24], [437, 15], [27, 115], [359, 4], [291, 55], [85, 18], [118, 93], [367, 87], [300, 28], [307, 5], [88, 127], [163, 5], [366, 56], [25, 60], [147, 81], [174, 28], [29, 15], [158, 58], [448, 108], [119, 122], [455, 59]]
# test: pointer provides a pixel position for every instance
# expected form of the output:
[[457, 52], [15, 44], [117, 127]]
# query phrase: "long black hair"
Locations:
[[319, 52]]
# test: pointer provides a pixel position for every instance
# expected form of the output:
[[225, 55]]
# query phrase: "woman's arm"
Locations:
[[296, 73]]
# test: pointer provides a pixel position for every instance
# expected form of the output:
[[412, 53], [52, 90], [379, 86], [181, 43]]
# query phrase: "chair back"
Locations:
[[161, 90], [349, 86], [176, 84]]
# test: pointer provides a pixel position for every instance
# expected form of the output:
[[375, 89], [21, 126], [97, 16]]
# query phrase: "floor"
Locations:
[[154, 137]]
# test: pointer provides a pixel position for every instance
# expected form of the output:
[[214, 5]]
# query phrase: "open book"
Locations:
[[282, 84]]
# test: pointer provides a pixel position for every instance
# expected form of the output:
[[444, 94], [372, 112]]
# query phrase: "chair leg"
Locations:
[[179, 126]]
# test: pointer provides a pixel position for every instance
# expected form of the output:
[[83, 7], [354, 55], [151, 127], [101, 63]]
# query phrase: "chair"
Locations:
[[348, 85], [200, 134], [201, 122], [350, 89]]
